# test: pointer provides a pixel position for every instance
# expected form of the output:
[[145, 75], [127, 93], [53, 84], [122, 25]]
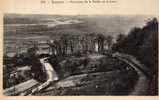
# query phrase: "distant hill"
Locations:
[[105, 24]]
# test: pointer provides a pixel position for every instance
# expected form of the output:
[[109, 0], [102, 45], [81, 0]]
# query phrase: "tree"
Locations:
[[100, 39], [64, 43], [120, 37], [32, 51], [109, 40]]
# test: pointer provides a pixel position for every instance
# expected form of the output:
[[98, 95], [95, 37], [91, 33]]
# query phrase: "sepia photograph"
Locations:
[[80, 55]]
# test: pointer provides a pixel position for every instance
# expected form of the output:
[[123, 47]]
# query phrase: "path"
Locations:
[[51, 75], [143, 82]]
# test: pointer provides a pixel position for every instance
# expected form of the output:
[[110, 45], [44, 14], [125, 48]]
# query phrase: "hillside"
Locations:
[[92, 75]]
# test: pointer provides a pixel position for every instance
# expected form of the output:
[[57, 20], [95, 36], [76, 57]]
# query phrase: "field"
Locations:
[[19, 30]]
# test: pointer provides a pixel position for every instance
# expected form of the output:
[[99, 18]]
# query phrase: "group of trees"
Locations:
[[143, 44], [140, 42], [70, 44]]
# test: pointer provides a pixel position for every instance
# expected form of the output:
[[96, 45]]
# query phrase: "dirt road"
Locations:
[[143, 82], [51, 75]]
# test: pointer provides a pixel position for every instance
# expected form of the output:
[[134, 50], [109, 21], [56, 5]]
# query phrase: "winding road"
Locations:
[[51, 75], [143, 82]]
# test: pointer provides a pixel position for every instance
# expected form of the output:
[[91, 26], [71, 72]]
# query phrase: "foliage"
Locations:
[[143, 44]]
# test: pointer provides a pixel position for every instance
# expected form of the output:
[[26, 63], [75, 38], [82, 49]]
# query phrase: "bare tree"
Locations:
[[100, 39]]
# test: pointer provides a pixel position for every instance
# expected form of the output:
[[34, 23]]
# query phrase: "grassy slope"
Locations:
[[100, 75], [100, 83]]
